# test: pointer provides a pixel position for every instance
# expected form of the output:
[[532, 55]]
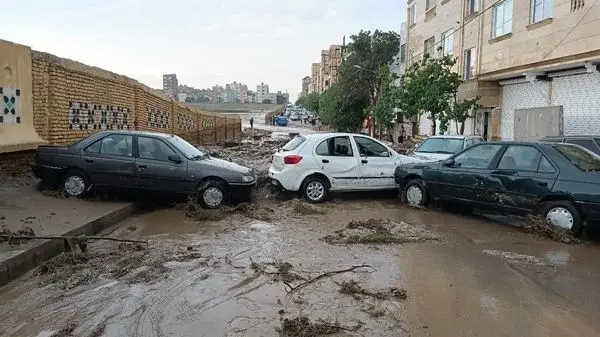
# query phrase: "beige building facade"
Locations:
[[326, 72], [517, 55]]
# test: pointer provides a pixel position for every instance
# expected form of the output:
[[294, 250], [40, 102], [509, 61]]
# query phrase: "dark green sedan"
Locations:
[[560, 181]]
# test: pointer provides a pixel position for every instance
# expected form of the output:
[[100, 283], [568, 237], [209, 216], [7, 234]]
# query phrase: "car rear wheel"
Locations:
[[315, 189], [75, 184], [563, 214], [211, 194], [415, 193]]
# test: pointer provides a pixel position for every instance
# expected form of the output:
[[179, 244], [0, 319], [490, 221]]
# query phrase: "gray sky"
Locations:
[[203, 42]]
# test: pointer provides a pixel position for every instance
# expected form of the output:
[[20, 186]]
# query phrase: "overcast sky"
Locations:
[[203, 42]]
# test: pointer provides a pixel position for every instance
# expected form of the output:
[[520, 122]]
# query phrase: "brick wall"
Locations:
[[72, 100]]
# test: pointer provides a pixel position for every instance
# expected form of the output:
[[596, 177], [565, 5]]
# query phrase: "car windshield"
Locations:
[[188, 150], [441, 145], [582, 158]]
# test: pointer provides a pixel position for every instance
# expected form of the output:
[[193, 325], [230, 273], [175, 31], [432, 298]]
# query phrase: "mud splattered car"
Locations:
[[561, 181], [146, 161]]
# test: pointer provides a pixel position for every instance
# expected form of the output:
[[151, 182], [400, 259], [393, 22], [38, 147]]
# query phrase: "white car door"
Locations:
[[377, 164], [338, 161]]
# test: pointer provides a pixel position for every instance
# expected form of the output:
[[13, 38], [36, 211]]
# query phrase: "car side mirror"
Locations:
[[175, 158], [448, 162]]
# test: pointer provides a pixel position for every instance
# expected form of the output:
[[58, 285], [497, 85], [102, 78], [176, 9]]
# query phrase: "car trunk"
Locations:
[[277, 161]]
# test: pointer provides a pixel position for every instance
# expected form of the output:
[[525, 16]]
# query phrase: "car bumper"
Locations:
[[242, 189], [590, 210], [284, 179], [47, 173]]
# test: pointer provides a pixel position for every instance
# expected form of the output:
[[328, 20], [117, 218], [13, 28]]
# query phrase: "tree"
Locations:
[[266, 101], [340, 110], [312, 102], [301, 101], [384, 109], [430, 85]]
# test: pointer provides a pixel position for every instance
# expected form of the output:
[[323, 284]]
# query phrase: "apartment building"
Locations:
[[305, 86], [262, 92], [315, 78], [171, 85], [534, 63]]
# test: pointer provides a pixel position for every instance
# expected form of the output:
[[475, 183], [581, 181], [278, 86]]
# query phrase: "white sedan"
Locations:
[[316, 164]]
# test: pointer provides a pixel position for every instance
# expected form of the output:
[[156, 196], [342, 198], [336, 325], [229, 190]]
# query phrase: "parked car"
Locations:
[[442, 147], [561, 181], [317, 164], [281, 121], [591, 143], [146, 161]]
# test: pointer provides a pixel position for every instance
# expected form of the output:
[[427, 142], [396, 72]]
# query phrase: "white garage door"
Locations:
[[580, 97], [520, 96]]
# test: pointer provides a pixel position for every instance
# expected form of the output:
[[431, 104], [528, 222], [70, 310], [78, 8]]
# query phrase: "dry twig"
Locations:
[[327, 274]]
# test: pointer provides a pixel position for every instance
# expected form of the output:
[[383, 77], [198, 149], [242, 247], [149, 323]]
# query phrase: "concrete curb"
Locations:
[[21, 263]]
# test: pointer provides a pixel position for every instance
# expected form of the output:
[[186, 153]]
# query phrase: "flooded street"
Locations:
[[238, 277]]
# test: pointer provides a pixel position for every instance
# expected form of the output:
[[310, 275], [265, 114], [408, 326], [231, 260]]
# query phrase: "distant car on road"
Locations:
[[146, 161], [317, 164], [281, 121], [560, 181], [444, 146], [591, 143]]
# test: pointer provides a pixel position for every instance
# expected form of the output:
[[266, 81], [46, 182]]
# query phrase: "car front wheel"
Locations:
[[211, 194], [75, 184], [563, 214], [415, 193]]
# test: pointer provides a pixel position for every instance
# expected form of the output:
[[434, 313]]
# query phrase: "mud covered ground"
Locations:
[[278, 266]]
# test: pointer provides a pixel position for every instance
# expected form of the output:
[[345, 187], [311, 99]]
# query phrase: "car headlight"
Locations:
[[248, 178]]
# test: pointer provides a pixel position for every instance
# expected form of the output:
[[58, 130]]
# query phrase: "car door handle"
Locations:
[[325, 161], [543, 184], [89, 161], [364, 161]]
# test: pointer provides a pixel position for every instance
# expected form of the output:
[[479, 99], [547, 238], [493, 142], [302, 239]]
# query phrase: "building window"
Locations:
[[577, 4], [429, 46], [412, 14], [541, 10], [472, 6], [447, 42], [502, 18], [403, 53], [469, 63], [430, 4]]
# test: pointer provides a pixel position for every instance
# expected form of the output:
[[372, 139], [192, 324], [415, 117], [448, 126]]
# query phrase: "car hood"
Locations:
[[432, 156], [220, 164]]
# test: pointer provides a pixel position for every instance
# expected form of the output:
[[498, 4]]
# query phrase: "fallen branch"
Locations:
[[327, 274], [78, 238]]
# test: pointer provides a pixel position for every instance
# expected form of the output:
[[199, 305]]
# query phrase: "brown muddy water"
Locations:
[[228, 278]]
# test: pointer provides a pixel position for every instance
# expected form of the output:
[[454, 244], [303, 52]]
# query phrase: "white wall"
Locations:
[[520, 96], [580, 97]]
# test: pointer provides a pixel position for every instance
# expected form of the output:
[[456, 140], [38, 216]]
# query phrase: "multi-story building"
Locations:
[[217, 93], [262, 92], [523, 58], [281, 98], [170, 85], [315, 78], [335, 61], [398, 65], [305, 86]]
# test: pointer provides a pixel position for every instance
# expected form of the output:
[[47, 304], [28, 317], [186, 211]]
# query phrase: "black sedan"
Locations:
[[146, 161], [561, 181]]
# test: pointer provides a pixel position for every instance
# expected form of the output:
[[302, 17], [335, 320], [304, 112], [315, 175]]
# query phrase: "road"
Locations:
[[222, 274]]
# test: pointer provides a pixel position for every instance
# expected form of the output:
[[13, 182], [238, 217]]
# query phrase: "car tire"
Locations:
[[75, 183], [211, 194], [563, 214], [415, 193], [315, 189]]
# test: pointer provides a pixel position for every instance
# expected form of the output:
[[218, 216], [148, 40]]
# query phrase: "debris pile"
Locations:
[[303, 327], [133, 262], [281, 271], [379, 231], [354, 289], [515, 257], [24, 231], [536, 224]]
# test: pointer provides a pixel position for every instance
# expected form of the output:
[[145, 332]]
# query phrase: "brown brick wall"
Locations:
[[72, 100]]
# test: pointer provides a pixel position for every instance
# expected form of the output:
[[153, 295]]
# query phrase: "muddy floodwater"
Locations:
[[445, 275]]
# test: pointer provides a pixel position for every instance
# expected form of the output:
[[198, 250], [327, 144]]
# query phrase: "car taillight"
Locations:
[[292, 159]]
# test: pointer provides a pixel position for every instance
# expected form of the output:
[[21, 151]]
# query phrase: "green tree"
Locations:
[[266, 101], [340, 111], [384, 109], [301, 101], [312, 102], [430, 85]]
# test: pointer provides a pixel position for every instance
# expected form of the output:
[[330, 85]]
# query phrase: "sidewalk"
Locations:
[[22, 205]]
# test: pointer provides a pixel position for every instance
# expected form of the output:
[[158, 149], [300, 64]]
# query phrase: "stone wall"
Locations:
[[69, 100]]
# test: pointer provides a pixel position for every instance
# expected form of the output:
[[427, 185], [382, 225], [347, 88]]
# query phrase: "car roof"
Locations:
[[137, 133], [453, 136], [572, 136]]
